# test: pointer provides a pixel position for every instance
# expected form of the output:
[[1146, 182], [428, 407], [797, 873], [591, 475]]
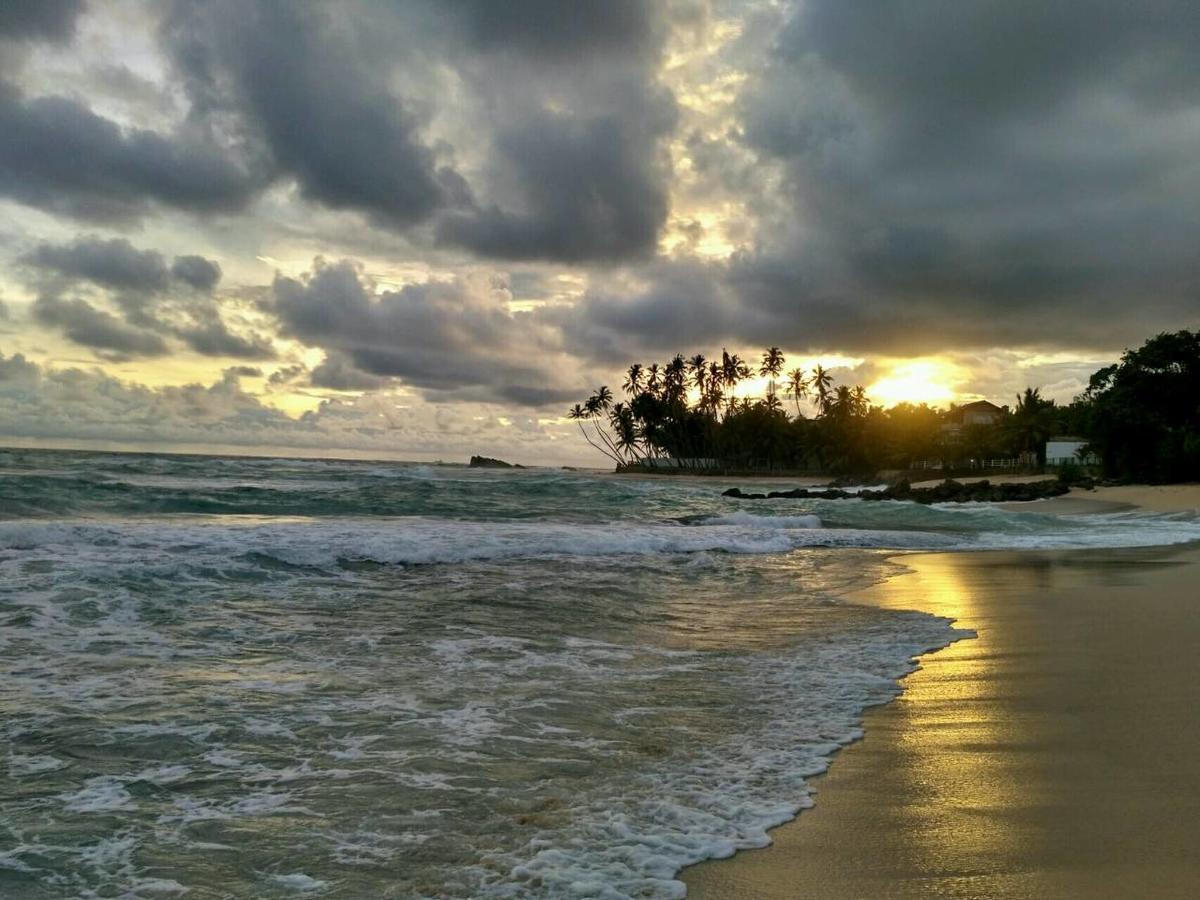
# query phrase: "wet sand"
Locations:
[[1055, 755]]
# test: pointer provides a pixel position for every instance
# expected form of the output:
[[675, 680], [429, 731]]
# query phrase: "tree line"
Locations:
[[1140, 416]]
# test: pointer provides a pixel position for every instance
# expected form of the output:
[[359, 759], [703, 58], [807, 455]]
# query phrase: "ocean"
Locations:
[[234, 677]]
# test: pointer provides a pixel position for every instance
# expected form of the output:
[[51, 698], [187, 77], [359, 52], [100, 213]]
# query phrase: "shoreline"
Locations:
[[1052, 755]]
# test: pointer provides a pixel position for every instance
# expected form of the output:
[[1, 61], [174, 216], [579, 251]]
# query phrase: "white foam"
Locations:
[[162, 774], [19, 765], [420, 541], [725, 797], [105, 793], [300, 883], [745, 518]]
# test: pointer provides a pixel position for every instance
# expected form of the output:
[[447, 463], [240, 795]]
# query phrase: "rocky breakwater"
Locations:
[[949, 491], [487, 462]]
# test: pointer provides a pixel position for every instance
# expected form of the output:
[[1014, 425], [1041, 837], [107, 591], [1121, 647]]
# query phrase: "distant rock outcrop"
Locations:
[[486, 462], [948, 491]]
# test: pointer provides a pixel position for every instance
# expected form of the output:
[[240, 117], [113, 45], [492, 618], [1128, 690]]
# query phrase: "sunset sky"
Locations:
[[423, 228]]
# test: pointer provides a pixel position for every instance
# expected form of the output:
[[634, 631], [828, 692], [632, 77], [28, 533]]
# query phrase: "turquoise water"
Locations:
[[273, 678]]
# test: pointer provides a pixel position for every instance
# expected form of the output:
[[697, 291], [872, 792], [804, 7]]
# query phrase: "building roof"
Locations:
[[980, 406]]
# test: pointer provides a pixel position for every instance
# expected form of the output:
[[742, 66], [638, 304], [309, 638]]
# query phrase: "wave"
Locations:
[[423, 541], [426, 540]]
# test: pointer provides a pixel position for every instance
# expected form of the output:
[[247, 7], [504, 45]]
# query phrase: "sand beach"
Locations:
[[1052, 756]]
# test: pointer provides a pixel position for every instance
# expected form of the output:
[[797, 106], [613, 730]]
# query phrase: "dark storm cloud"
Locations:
[[577, 169], [587, 182], [91, 327], [202, 274], [550, 28], [153, 300], [323, 110], [109, 263], [17, 368], [339, 374], [341, 101], [52, 20], [592, 188], [458, 339], [1005, 173], [677, 307], [243, 372], [58, 155], [117, 264], [213, 338]]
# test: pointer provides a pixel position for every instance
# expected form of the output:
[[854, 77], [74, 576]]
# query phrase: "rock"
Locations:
[[486, 462], [949, 491], [737, 492]]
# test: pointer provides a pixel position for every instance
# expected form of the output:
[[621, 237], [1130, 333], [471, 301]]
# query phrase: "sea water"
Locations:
[[231, 677]]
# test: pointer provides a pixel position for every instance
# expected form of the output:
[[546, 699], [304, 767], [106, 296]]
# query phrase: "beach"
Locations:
[[1051, 756]]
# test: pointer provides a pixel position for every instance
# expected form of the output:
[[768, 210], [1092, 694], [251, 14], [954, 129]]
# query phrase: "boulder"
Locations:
[[486, 462], [949, 491]]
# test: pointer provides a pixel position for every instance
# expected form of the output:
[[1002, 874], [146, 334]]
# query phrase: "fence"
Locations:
[[986, 465]]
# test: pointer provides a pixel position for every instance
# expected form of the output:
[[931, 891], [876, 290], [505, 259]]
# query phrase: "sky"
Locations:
[[422, 229]]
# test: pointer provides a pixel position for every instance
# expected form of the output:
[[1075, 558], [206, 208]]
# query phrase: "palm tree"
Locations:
[[859, 401], [797, 386], [698, 366], [652, 381], [598, 402], [588, 411], [733, 370], [772, 365], [633, 379], [625, 427], [843, 401], [1032, 422], [820, 385], [675, 378], [715, 395]]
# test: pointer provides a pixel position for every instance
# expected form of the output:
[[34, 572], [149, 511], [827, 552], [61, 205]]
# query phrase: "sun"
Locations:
[[915, 381]]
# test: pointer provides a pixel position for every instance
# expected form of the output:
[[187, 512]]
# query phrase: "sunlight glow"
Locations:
[[916, 381]]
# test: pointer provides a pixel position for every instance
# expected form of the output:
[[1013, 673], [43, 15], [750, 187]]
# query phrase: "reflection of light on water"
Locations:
[[954, 733], [764, 602]]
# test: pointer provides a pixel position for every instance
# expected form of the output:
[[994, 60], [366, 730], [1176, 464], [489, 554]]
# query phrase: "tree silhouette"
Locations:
[[797, 386]]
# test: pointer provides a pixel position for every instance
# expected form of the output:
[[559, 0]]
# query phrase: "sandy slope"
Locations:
[[1053, 756]]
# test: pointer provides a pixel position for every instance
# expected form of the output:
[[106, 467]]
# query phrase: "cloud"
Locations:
[[58, 155], [337, 373], [324, 113], [575, 170], [202, 274], [592, 188], [112, 263], [51, 20], [577, 123], [50, 404], [96, 328], [243, 372], [549, 29], [668, 308], [17, 368], [213, 338], [458, 339], [1009, 174], [152, 300]]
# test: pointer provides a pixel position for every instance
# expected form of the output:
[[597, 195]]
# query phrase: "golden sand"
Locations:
[[1057, 755]]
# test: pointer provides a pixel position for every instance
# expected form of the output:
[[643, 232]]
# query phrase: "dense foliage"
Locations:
[[1140, 416], [1143, 413]]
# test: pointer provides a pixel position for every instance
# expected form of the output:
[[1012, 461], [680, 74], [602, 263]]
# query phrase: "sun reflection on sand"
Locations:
[[956, 782]]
